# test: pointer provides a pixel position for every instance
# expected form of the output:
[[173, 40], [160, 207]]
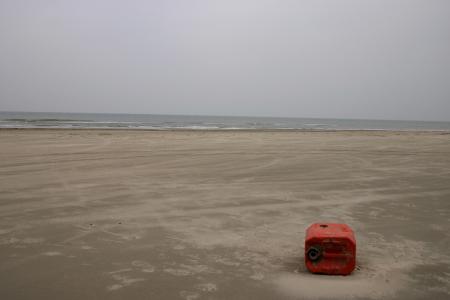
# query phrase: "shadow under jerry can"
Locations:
[[330, 249]]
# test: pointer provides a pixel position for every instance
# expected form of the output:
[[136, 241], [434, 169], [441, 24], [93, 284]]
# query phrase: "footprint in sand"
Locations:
[[189, 270], [187, 295], [52, 253], [122, 281], [207, 287], [179, 247], [143, 265], [257, 276], [204, 287]]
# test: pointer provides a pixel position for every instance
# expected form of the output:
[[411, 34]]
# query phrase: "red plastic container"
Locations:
[[330, 249]]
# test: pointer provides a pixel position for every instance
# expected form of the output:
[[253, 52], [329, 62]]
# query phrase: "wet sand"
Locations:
[[92, 214]]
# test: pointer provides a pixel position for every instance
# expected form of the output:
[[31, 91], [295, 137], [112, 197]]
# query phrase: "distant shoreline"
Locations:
[[247, 130], [211, 123]]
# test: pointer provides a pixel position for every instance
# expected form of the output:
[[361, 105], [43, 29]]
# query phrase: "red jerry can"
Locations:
[[330, 249]]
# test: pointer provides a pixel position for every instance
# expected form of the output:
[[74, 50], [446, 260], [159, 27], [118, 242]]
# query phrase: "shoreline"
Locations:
[[245, 130]]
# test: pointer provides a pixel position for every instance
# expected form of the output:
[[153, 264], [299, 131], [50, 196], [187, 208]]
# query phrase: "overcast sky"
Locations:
[[383, 59]]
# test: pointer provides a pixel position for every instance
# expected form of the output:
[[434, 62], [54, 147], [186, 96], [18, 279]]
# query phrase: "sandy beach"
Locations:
[[123, 214]]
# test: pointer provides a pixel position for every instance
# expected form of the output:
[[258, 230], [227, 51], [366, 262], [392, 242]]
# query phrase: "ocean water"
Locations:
[[162, 122]]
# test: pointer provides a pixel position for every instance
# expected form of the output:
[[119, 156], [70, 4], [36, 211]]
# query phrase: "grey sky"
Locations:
[[387, 59]]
